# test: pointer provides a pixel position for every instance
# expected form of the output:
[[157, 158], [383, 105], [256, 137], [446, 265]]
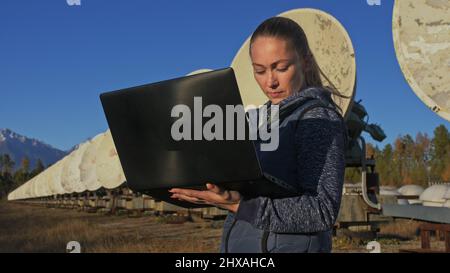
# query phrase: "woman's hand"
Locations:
[[213, 195]]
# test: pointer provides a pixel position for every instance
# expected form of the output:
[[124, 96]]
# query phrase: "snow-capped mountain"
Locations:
[[19, 146]]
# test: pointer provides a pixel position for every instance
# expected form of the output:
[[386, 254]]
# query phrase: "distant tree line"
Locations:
[[10, 179], [410, 161]]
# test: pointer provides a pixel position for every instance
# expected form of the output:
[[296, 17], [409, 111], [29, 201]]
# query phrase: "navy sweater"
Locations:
[[310, 157]]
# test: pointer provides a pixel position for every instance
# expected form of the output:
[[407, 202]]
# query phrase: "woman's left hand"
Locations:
[[213, 195]]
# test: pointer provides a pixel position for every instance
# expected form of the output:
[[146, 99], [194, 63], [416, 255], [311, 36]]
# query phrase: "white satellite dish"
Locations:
[[434, 196], [48, 180], [54, 177], [41, 185], [88, 175], [411, 190], [26, 190], [70, 176], [421, 32], [447, 194], [199, 71], [331, 46], [34, 188], [108, 168], [20, 193], [38, 190], [14, 195], [75, 166], [65, 182], [29, 188], [447, 198]]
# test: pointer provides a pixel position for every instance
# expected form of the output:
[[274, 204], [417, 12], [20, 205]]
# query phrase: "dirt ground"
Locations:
[[25, 228]]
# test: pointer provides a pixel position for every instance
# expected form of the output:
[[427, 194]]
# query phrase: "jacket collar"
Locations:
[[319, 93]]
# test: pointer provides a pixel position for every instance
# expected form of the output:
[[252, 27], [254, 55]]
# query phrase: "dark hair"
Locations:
[[288, 30]]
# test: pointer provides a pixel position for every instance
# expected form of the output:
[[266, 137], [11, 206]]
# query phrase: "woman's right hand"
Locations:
[[213, 195]]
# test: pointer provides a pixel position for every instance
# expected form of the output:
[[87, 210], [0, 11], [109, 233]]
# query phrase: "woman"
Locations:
[[310, 155]]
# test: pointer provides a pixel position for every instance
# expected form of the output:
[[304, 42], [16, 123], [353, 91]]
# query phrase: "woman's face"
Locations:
[[276, 67]]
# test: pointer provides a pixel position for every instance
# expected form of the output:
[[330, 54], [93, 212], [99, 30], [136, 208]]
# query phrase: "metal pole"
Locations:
[[364, 177]]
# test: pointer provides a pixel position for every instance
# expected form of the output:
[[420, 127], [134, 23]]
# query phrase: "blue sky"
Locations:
[[56, 59]]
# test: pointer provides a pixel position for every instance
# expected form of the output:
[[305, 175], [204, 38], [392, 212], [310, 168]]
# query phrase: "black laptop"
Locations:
[[141, 120]]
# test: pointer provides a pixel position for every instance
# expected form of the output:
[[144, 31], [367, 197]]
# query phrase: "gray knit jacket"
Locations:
[[310, 157]]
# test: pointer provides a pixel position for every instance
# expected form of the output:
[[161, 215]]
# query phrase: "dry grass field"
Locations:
[[25, 228]]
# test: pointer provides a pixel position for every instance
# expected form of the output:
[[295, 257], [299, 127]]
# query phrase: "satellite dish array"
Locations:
[[92, 165], [434, 196]]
